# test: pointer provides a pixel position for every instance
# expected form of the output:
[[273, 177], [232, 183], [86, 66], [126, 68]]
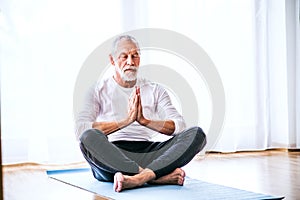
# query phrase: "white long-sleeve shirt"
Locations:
[[108, 101]]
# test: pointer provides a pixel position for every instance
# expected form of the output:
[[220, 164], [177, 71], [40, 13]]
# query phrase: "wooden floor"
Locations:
[[271, 172]]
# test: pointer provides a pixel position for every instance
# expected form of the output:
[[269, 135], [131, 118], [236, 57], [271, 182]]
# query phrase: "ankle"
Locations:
[[145, 176]]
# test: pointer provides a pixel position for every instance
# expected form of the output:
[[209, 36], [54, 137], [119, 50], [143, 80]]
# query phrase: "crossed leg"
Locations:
[[122, 182], [178, 150]]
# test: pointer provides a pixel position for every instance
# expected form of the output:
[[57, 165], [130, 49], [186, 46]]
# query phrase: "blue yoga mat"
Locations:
[[192, 190]]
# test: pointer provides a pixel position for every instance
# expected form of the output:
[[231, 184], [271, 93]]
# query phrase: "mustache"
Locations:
[[130, 68]]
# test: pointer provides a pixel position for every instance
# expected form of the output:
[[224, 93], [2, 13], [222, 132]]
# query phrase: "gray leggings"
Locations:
[[106, 158]]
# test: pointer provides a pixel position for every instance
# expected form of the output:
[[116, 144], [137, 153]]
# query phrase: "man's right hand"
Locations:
[[133, 107]]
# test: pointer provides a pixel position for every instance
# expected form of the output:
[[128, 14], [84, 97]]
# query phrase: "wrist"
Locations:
[[144, 122], [128, 121]]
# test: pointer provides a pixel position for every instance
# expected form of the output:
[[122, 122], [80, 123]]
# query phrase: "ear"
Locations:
[[111, 59]]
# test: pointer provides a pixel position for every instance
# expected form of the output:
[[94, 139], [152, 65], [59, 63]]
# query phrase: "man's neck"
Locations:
[[125, 84]]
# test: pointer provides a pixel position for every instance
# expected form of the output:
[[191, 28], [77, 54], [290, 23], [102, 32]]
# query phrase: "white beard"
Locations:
[[129, 75]]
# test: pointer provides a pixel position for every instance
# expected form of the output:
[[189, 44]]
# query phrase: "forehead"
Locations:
[[126, 46]]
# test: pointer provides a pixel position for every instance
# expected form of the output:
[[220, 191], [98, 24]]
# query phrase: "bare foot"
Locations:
[[174, 178], [122, 182]]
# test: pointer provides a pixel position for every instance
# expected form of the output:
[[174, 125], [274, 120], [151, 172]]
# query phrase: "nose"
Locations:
[[130, 60]]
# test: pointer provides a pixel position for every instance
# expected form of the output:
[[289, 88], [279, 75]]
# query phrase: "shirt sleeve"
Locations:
[[168, 111], [88, 112]]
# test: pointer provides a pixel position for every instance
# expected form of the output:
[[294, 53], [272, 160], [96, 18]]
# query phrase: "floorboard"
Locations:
[[270, 172]]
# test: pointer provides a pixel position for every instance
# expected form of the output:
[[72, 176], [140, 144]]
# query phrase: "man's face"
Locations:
[[127, 60]]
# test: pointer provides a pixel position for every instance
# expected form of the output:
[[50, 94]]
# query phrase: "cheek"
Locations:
[[137, 63], [121, 64]]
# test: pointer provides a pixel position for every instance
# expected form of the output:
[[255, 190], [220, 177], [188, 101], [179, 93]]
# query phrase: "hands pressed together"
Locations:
[[135, 109], [135, 113]]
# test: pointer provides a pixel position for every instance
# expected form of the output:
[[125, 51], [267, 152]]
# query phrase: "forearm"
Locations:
[[166, 127], [110, 127]]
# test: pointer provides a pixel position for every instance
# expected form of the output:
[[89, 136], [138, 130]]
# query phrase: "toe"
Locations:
[[118, 180]]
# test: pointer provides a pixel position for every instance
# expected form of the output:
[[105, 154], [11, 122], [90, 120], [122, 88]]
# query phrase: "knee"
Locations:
[[201, 133], [199, 136], [90, 135]]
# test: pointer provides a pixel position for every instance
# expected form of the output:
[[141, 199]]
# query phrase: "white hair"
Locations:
[[123, 37]]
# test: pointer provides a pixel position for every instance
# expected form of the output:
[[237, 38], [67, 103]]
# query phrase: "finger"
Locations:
[[137, 90], [139, 108], [132, 98], [132, 95], [139, 100]]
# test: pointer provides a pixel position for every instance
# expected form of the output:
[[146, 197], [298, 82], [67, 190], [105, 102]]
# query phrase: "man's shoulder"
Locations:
[[103, 83], [144, 82]]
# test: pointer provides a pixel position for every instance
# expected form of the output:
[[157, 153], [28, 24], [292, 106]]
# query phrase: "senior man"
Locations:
[[120, 117]]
